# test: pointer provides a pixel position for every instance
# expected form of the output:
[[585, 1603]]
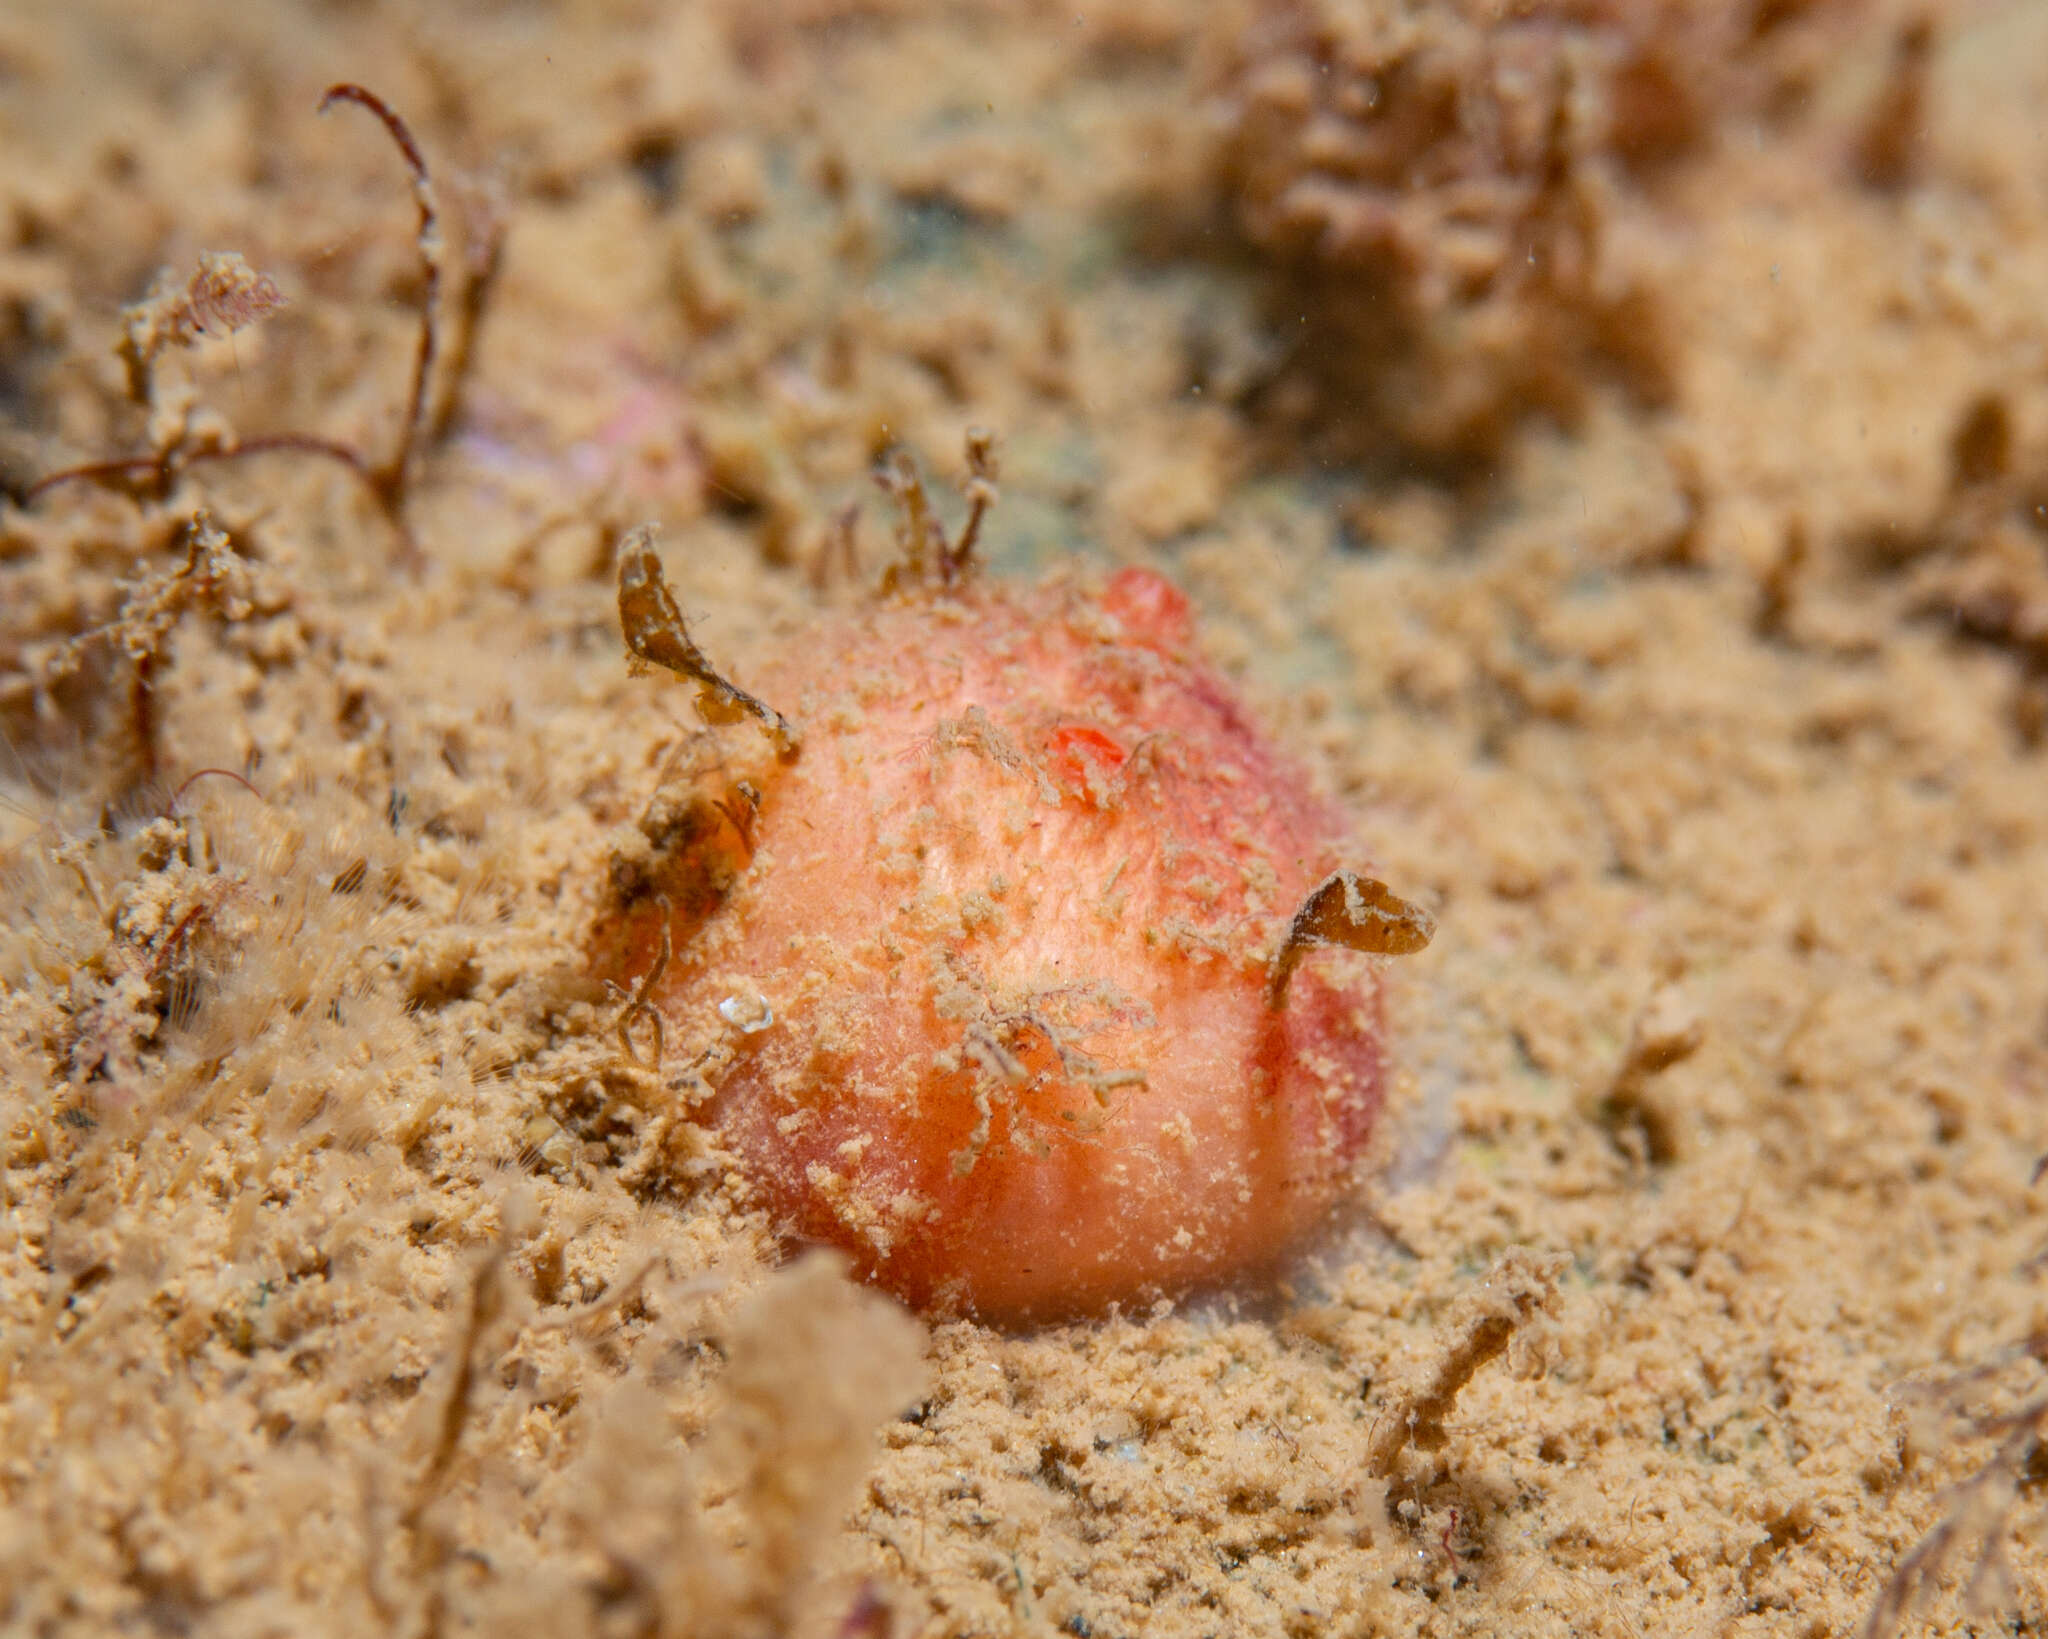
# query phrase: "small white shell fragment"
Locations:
[[747, 1014]]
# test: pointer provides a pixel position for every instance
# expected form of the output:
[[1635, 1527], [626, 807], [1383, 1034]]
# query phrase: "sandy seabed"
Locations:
[[1611, 443]]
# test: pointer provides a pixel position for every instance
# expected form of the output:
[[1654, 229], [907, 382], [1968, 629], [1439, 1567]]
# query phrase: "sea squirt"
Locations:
[[1016, 990]]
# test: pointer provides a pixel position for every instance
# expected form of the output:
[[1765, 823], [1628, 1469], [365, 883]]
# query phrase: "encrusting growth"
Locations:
[[655, 632], [225, 295], [213, 577], [1020, 992]]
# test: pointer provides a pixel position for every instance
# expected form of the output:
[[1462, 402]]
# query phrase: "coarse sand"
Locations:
[[1608, 443]]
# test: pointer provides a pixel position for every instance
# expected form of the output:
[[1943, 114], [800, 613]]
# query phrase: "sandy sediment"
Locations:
[[1676, 630]]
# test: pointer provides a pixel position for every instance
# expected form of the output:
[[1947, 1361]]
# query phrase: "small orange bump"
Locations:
[[1083, 760], [1150, 608]]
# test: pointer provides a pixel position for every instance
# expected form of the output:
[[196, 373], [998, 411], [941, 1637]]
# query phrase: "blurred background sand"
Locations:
[[1610, 437]]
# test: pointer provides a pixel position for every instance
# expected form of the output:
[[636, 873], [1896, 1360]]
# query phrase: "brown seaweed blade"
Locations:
[[654, 630], [1357, 912]]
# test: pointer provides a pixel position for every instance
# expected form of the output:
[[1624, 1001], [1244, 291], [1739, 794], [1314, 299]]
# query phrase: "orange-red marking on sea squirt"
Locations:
[[995, 1002]]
